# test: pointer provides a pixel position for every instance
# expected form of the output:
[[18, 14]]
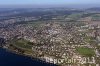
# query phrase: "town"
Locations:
[[61, 38]]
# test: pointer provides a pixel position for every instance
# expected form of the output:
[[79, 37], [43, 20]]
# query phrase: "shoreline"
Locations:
[[29, 56]]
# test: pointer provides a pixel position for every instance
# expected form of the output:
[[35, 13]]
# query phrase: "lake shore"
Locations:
[[28, 55]]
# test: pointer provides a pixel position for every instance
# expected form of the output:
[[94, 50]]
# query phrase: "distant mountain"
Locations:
[[94, 9]]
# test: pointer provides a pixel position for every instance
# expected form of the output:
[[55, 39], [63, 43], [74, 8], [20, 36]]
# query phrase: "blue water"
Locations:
[[10, 59]]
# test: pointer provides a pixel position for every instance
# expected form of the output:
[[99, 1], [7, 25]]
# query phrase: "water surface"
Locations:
[[11, 59]]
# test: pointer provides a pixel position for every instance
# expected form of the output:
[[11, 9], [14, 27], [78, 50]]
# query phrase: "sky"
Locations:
[[51, 3]]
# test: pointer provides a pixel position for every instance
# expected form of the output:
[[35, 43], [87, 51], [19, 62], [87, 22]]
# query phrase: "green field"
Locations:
[[23, 44], [85, 51]]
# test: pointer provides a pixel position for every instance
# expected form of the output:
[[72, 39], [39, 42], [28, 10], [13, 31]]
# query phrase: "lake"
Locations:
[[10, 59]]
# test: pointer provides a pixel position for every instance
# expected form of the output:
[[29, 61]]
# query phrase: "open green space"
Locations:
[[85, 51], [23, 44]]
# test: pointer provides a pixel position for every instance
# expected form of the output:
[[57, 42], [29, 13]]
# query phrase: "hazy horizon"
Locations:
[[49, 3], [51, 6]]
